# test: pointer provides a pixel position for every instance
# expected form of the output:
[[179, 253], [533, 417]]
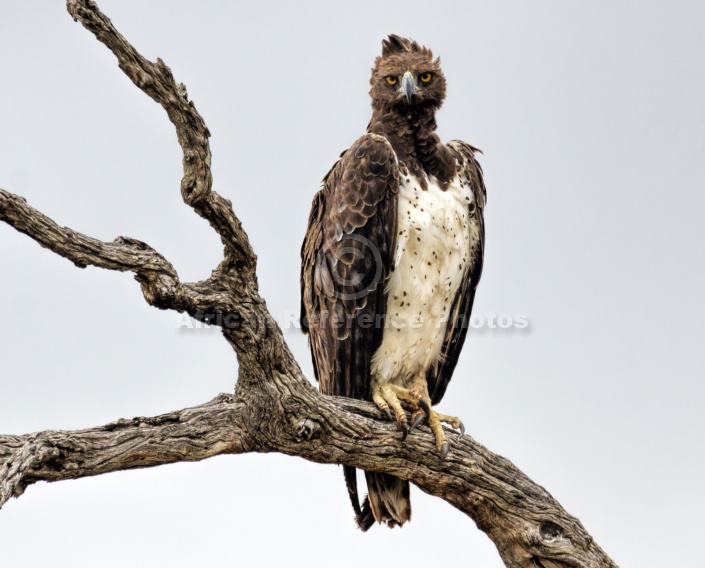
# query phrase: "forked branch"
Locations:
[[160, 283], [157, 81], [274, 408]]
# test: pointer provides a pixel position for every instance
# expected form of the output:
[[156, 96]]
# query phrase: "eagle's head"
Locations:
[[406, 76]]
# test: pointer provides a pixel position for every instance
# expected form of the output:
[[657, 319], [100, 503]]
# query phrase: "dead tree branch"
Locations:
[[191, 434], [274, 408]]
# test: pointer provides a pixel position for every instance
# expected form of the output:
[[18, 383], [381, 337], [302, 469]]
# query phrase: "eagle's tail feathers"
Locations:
[[387, 501]]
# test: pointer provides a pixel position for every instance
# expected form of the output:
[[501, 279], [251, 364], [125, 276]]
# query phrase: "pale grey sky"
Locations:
[[592, 121]]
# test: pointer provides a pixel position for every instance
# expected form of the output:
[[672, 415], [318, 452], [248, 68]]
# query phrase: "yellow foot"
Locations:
[[386, 399], [417, 401], [435, 422]]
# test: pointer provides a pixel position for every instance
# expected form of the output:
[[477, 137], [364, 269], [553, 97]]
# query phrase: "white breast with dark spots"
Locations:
[[435, 235]]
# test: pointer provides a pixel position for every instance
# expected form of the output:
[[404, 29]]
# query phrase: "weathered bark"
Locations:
[[274, 408]]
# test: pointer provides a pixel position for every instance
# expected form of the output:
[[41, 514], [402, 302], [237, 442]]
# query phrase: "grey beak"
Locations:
[[408, 86]]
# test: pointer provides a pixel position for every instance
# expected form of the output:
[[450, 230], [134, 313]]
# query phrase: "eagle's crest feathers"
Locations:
[[395, 44]]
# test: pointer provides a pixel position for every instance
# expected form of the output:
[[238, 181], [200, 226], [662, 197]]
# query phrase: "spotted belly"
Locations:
[[435, 235]]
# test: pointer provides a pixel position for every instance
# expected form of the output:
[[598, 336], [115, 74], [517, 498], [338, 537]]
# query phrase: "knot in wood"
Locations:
[[550, 531], [307, 429], [181, 91], [132, 243]]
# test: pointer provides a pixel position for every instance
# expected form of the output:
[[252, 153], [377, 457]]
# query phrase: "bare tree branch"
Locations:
[[157, 81], [522, 518], [191, 434], [274, 407], [234, 280], [160, 283]]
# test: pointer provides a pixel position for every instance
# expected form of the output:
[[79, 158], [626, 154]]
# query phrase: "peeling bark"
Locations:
[[274, 408]]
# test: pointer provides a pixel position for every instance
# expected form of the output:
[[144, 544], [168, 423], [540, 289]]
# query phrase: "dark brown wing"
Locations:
[[458, 323], [346, 262]]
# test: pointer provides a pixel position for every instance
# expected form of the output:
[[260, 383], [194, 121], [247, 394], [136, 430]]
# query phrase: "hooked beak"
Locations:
[[408, 86]]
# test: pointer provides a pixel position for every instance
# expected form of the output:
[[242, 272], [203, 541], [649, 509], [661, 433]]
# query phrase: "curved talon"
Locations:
[[444, 450], [389, 414], [461, 427], [425, 406], [419, 418], [404, 431]]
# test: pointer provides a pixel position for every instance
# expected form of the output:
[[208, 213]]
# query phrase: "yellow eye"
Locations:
[[425, 77], [391, 80]]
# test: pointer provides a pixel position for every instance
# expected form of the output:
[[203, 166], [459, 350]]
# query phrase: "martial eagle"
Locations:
[[391, 261]]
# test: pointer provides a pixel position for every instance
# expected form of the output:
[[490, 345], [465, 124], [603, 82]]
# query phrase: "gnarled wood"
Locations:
[[191, 434], [274, 408]]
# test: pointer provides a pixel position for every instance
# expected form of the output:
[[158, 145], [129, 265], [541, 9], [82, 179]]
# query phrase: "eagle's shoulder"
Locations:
[[470, 170], [371, 154], [365, 175]]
